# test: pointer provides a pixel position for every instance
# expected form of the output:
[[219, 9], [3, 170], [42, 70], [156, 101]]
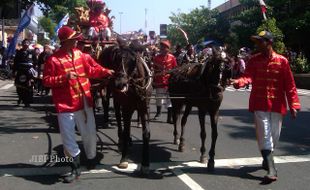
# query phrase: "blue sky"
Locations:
[[158, 12]]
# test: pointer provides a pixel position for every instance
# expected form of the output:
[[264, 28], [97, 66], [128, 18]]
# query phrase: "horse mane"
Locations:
[[200, 78]]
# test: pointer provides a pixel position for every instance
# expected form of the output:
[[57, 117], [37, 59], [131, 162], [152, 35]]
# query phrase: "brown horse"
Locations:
[[201, 86], [131, 89]]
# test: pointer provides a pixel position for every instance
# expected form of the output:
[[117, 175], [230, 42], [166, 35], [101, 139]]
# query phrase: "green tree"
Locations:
[[270, 25], [293, 18], [246, 23], [48, 25], [200, 24]]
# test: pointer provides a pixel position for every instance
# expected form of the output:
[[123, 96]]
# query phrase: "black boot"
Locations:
[[91, 163], [158, 112], [75, 172], [169, 116], [271, 170]]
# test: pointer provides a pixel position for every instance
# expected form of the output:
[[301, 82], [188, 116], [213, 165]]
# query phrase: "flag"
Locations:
[[23, 23], [63, 21], [263, 8]]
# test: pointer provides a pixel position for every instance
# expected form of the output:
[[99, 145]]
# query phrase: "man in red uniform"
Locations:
[[272, 86], [163, 62], [67, 73]]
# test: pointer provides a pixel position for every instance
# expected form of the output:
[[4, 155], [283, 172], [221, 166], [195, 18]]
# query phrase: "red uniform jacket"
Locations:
[[273, 84], [68, 94], [162, 64]]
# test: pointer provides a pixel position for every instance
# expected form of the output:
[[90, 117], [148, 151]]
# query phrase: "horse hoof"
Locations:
[[123, 165], [203, 159], [176, 141], [181, 148], [211, 165]]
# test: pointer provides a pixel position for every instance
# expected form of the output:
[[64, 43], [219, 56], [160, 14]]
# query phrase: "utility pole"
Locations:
[[209, 4], [145, 23], [120, 22]]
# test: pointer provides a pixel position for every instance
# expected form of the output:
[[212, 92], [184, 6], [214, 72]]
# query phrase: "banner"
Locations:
[[23, 23]]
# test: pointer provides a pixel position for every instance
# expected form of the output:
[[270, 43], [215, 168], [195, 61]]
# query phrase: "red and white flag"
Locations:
[[263, 8]]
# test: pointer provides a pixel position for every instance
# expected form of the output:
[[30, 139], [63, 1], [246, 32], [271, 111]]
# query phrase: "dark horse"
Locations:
[[199, 85], [131, 89]]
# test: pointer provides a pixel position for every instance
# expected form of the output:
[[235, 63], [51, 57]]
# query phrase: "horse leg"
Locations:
[[118, 116], [176, 111], [202, 115], [127, 115], [139, 124], [105, 98], [187, 111], [146, 140], [214, 120]]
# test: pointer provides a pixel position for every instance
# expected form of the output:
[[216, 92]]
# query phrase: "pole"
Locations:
[[120, 22], [2, 43]]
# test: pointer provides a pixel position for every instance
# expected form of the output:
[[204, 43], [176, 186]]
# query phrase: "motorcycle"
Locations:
[[24, 82]]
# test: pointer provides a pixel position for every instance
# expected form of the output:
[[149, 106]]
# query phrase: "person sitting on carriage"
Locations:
[[179, 53], [99, 21], [163, 62], [190, 56]]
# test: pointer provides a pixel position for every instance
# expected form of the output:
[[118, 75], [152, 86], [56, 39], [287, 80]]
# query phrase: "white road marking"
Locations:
[[7, 86], [186, 179], [175, 167], [303, 92], [232, 89]]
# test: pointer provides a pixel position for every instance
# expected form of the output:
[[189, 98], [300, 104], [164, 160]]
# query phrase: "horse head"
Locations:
[[129, 66], [217, 69]]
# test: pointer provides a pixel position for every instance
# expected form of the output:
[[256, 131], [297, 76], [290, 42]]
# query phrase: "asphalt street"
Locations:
[[31, 150]]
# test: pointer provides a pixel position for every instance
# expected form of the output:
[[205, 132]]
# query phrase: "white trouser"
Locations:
[[105, 33], [162, 92], [85, 121], [268, 129]]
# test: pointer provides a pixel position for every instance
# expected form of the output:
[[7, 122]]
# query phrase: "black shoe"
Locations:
[[91, 163]]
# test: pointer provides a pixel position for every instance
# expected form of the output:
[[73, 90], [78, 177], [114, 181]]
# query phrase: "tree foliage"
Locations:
[[48, 25], [200, 24], [270, 25]]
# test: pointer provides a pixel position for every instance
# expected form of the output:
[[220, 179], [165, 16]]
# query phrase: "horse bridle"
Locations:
[[133, 81]]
